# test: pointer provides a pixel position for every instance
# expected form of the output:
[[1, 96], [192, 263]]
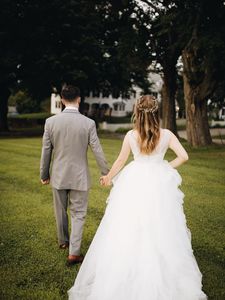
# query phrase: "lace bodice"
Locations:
[[160, 150]]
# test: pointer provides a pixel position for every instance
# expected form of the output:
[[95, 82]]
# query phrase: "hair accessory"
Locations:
[[146, 110]]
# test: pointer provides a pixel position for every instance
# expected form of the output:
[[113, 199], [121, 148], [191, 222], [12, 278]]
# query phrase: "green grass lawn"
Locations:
[[32, 266]]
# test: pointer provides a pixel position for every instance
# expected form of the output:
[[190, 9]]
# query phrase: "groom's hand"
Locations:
[[45, 182]]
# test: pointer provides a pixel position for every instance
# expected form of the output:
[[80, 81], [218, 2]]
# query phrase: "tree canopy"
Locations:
[[108, 46], [97, 45], [193, 29], [93, 43]]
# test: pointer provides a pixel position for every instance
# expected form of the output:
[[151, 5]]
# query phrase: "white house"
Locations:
[[222, 113], [12, 111], [56, 105], [109, 106]]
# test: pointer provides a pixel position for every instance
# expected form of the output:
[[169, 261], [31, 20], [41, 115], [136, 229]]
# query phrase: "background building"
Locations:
[[97, 104]]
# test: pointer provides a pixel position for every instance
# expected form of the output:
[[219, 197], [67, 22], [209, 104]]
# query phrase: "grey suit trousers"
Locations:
[[77, 202]]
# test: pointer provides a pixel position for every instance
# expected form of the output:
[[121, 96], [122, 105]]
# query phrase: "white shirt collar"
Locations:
[[71, 107]]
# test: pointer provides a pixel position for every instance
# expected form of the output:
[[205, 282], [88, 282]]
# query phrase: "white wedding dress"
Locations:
[[142, 248]]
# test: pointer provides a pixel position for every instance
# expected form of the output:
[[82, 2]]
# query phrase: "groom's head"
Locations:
[[70, 94]]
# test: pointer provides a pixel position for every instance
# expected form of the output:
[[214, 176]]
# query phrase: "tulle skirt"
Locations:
[[142, 248]]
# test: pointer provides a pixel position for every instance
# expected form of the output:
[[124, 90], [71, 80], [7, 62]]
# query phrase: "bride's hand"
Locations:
[[105, 181]]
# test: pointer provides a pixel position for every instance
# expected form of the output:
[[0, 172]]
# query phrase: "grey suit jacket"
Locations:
[[68, 135]]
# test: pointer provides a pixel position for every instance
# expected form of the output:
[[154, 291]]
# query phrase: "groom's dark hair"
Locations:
[[70, 93]]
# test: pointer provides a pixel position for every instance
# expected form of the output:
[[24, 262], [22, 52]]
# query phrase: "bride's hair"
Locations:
[[146, 122]]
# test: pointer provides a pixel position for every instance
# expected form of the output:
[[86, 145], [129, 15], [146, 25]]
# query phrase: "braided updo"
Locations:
[[146, 122]]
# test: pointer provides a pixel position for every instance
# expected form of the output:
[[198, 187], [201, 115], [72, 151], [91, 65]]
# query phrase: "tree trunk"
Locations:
[[4, 96], [168, 100], [198, 133]]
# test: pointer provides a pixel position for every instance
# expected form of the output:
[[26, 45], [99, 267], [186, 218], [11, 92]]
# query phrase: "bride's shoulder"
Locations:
[[166, 135], [131, 135], [166, 131]]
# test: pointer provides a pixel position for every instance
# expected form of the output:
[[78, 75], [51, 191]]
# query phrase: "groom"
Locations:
[[68, 135]]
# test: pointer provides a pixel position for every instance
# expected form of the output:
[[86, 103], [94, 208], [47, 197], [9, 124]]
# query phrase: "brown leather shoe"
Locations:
[[64, 246], [74, 259]]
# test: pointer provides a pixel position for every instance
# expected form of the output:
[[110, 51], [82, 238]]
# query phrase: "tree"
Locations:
[[4, 96], [196, 31], [204, 66], [167, 38], [180, 96], [8, 58], [95, 45], [60, 42], [125, 54]]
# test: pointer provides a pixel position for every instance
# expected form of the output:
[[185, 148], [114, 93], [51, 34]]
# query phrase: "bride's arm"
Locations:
[[119, 162], [179, 150]]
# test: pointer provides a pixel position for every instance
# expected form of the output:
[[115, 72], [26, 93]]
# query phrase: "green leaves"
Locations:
[[84, 42]]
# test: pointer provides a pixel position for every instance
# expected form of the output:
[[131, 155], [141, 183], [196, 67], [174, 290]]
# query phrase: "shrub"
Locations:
[[46, 105], [24, 103], [122, 130], [117, 120]]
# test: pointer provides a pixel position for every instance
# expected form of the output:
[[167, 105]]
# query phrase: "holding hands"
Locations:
[[105, 180], [45, 182]]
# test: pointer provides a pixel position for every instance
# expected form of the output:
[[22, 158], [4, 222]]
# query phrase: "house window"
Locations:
[[119, 106], [116, 107], [122, 106], [57, 104]]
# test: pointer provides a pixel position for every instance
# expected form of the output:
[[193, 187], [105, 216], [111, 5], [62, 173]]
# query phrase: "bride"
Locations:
[[142, 248]]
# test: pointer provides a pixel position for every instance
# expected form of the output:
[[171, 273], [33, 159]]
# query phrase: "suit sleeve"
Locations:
[[46, 153], [97, 150]]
